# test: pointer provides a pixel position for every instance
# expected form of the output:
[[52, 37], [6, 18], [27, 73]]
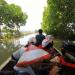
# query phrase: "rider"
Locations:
[[39, 37]]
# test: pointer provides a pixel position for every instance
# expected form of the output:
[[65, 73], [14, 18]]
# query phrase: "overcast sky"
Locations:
[[34, 10]]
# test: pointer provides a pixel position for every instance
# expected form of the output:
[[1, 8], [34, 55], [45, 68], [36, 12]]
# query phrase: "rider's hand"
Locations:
[[55, 60]]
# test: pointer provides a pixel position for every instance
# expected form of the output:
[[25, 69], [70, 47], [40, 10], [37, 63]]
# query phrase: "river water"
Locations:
[[23, 40]]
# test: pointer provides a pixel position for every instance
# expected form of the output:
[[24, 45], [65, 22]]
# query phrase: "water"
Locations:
[[23, 40]]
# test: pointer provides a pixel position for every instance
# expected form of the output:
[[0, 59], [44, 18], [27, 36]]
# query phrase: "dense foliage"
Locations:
[[11, 17], [59, 18]]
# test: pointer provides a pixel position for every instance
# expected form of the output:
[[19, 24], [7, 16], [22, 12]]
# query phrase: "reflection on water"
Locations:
[[24, 40]]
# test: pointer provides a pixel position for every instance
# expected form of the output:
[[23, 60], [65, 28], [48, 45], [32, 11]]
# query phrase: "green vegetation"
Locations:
[[59, 18], [11, 18], [58, 43]]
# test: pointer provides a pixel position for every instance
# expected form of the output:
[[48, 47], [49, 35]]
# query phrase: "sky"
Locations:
[[34, 10]]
